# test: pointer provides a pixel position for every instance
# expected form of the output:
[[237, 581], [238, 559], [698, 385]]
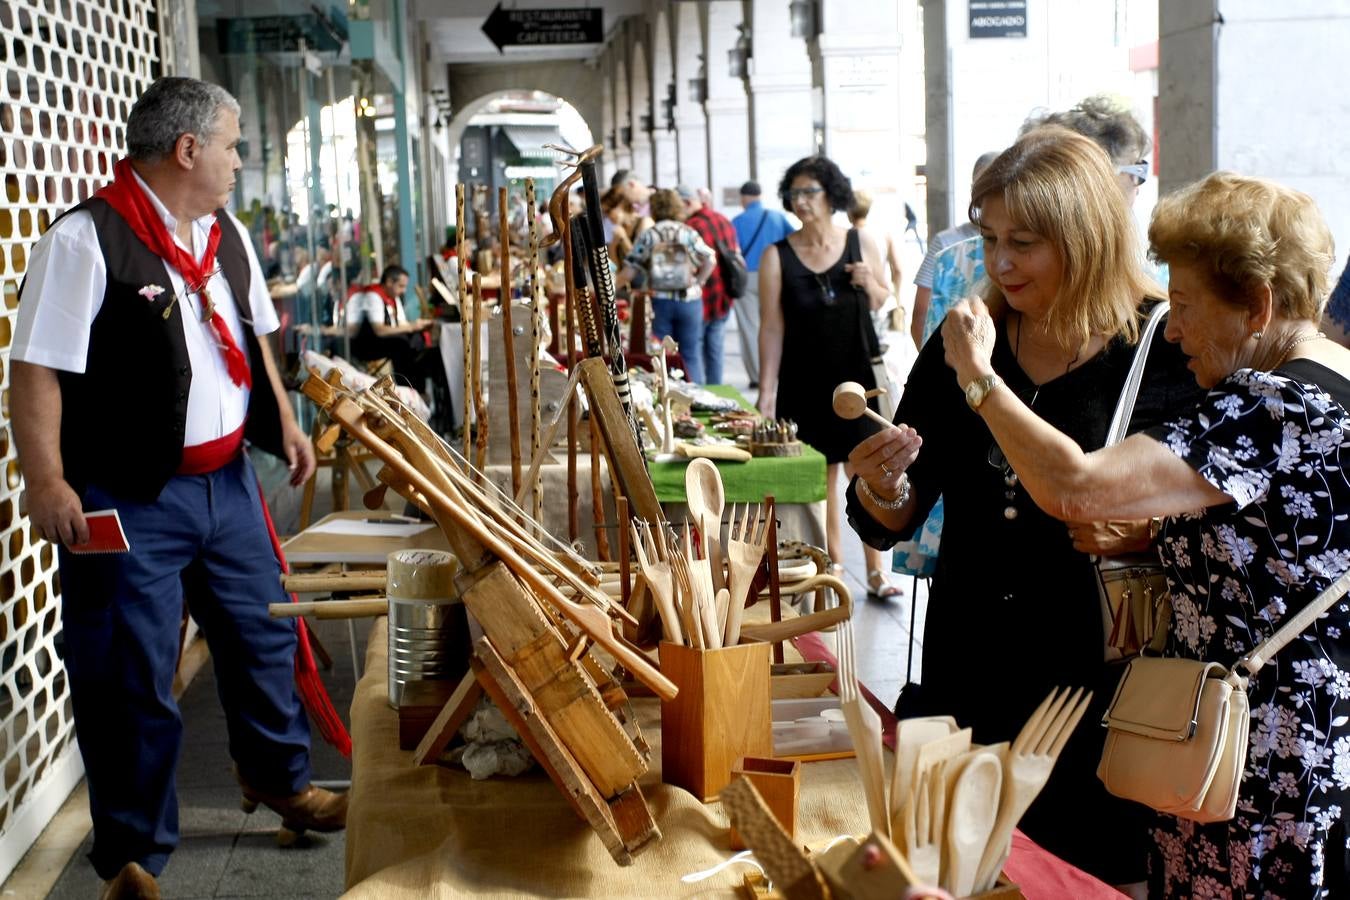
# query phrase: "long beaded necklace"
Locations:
[[996, 457]]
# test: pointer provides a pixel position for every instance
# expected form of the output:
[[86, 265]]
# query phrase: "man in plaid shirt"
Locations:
[[713, 227]]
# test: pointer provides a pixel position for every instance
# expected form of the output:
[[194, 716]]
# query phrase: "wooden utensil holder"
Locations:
[[779, 782], [721, 714]]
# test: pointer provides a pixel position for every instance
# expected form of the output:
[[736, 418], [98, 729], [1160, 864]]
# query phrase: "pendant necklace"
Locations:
[[996, 457]]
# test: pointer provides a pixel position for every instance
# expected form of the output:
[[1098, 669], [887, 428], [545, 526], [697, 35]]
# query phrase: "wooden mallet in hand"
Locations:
[[850, 402]]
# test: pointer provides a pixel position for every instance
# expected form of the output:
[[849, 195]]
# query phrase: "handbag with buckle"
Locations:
[[1177, 728], [1136, 607]]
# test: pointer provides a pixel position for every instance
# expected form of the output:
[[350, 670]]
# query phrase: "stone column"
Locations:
[[665, 156], [691, 137], [1245, 91], [860, 66], [781, 107], [727, 112]]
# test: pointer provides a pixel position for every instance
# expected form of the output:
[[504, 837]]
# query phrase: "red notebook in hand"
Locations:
[[105, 534]]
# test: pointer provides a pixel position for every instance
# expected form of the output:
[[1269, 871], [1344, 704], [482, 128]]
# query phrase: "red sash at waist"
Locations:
[[202, 458]]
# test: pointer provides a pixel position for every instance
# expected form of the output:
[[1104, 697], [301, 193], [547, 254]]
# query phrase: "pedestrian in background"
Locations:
[[718, 233], [757, 229]]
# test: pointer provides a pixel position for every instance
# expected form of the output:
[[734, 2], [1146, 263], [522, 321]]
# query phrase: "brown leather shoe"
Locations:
[[132, 883], [312, 809]]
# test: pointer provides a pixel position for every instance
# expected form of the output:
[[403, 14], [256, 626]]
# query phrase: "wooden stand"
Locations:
[[721, 714], [792, 448]]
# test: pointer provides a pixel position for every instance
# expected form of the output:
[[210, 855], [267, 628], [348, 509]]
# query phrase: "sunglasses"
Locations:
[[1138, 171]]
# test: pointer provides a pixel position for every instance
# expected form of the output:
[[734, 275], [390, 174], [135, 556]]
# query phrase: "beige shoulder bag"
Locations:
[[1177, 728]]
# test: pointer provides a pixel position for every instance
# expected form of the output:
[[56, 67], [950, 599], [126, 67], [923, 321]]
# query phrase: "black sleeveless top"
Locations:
[[827, 339]]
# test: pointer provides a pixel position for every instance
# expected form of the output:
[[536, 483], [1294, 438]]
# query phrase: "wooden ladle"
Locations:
[[850, 402], [706, 499]]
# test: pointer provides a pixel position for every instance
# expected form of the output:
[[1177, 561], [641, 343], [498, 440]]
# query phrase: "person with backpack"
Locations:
[[676, 262], [728, 279]]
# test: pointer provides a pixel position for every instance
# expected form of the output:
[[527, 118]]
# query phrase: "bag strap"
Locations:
[[1258, 657], [758, 228], [1120, 422]]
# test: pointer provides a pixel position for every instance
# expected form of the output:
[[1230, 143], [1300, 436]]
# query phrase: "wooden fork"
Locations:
[[864, 727], [1029, 763], [745, 551], [924, 827], [659, 581]]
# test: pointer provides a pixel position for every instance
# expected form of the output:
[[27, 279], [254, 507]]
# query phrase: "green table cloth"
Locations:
[[790, 479]]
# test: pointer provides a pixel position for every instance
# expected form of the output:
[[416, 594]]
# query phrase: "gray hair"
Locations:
[[1104, 119], [171, 108]]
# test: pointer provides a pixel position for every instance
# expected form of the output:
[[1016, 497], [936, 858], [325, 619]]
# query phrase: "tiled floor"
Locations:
[[225, 853]]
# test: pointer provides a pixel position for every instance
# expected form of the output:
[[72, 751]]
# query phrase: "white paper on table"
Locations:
[[366, 528]]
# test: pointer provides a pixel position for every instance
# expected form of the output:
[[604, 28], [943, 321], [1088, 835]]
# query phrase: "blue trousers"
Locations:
[[120, 618], [713, 332], [682, 320]]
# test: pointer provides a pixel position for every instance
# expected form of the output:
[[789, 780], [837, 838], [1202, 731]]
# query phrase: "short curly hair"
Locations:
[[1105, 120], [838, 189], [1246, 233], [667, 205]]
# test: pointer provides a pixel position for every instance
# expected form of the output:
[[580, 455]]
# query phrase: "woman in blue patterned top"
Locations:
[[1252, 484]]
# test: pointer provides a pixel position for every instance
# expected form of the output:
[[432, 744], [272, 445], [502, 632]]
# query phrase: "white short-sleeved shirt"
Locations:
[[63, 292], [370, 305]]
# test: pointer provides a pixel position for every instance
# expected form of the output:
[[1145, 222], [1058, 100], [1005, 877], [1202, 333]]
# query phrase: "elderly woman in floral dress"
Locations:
[[1252, 484]]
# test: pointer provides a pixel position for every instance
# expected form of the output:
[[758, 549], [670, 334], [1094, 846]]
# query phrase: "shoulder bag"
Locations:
[[1176, 735], [889, 398], [1136, 607]]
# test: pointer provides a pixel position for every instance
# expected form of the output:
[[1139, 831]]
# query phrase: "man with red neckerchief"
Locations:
[[380, 330], [137, 376]]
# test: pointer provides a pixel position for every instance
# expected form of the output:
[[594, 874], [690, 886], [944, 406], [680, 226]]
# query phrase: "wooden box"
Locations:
[[779, 783], [721, 713]]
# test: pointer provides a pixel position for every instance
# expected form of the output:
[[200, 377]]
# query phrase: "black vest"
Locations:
[[123, 418]]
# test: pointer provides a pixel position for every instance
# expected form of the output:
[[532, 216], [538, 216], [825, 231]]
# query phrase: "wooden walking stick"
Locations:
[[509, 341], [480, 408], [572, 418], [465, 308], [536, 313], [598, 495]]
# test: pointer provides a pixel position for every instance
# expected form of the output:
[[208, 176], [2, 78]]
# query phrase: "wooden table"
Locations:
[[432, 831]]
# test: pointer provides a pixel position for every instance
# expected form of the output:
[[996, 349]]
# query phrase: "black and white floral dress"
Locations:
[[1278, 443]]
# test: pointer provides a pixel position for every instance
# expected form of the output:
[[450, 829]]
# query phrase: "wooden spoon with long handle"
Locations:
[[970, 819]]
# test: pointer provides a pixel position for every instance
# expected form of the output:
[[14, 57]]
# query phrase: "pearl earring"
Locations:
[[1257, 335]]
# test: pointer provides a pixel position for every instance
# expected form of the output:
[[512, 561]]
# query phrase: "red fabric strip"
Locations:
[[202, 458], [312, 692]]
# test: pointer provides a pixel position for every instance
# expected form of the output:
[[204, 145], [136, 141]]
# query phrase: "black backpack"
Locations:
[[735, 273]]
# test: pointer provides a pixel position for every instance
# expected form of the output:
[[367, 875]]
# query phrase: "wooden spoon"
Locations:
[[850, 401], [970, 819], [706, 499]]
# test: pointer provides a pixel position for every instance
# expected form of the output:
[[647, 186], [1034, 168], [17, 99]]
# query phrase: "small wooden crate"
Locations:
[[779, 783], [721, 713]]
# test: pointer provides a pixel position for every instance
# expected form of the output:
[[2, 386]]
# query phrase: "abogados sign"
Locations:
[[998, 18], [544, 27]]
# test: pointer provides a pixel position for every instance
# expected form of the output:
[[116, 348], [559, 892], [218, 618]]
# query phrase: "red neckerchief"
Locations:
[[126, 196]]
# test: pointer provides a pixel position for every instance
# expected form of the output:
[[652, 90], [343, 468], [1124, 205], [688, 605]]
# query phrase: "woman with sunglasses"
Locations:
[[1013, 609], [817, 290]]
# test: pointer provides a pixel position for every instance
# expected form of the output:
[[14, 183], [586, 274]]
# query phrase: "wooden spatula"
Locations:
[[910, 735]]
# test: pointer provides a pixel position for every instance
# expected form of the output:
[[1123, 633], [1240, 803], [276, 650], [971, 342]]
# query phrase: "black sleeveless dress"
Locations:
[[824, 343]]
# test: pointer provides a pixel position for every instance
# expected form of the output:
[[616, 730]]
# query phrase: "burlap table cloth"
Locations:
[[432, 831]]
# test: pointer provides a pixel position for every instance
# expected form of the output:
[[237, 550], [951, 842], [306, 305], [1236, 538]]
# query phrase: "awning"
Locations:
[[529, 140]]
